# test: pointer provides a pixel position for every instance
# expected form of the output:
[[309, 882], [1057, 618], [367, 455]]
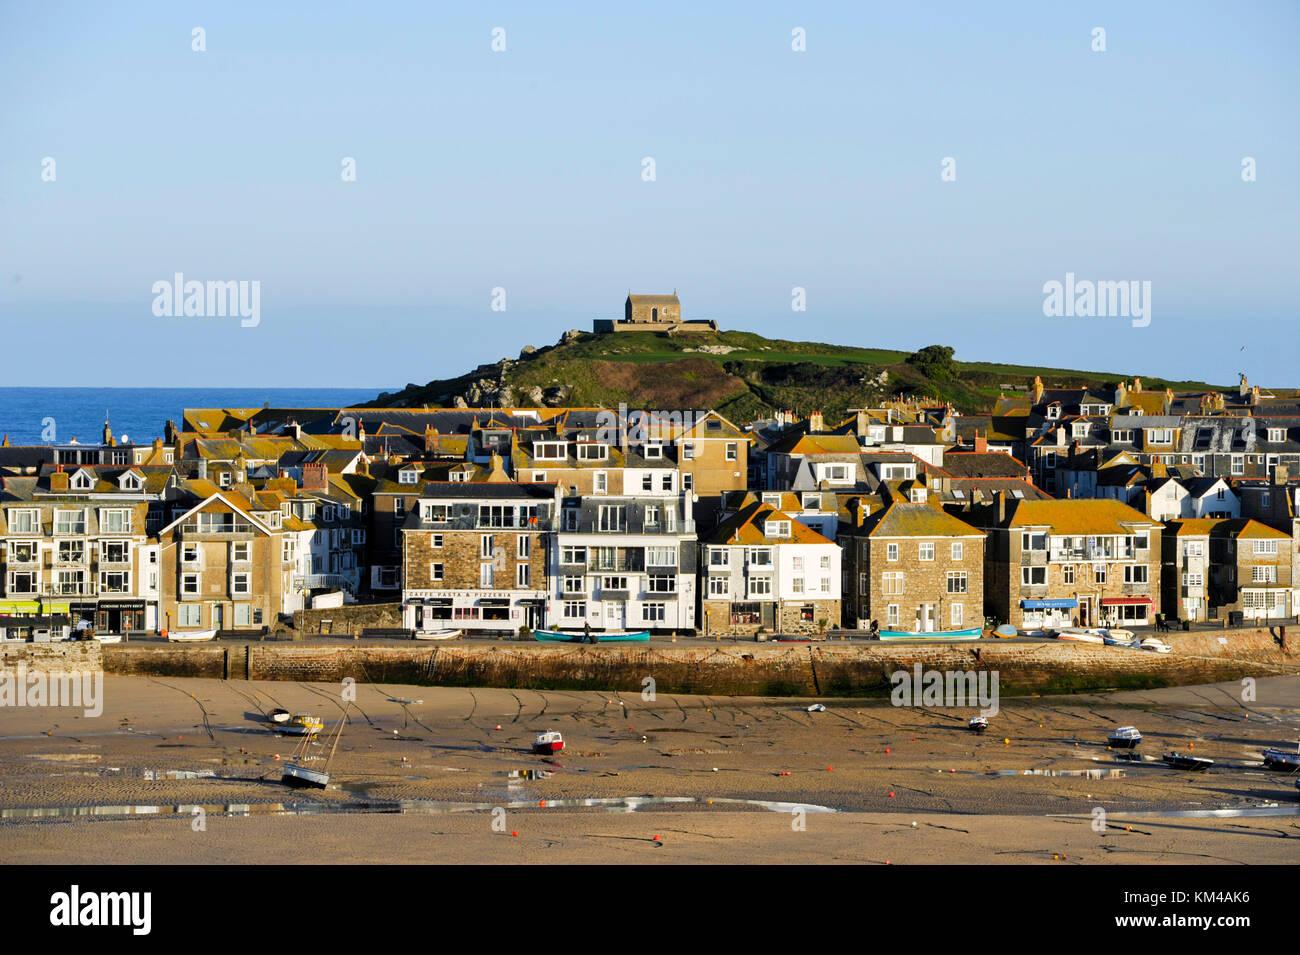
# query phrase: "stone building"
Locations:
[[653, 313]]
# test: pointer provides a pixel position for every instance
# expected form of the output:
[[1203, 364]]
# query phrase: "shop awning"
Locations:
[[494, 602], [1064, 603], [1126, 601]]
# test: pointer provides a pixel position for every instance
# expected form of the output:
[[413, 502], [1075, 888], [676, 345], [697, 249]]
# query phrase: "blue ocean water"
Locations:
[[56, 415]]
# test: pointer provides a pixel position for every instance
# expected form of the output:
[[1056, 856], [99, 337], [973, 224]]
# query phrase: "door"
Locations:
[[218, 616], [615, 614], [925, 618]]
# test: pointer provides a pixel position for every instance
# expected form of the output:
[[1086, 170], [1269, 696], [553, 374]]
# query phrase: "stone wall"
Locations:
[[349, 619], [64, 657], [743, 669]]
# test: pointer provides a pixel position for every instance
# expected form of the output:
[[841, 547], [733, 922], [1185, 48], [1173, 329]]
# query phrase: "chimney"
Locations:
[[293, 430], [1121, 395], [1281, 474], [815, 423], [1000, 505], [108, 433], [432, 440], [59, 482], [315, 476], [1243, 387], [981, 443], [1037, 388], [1254, 394], [203, 469], [169, 432], [1137, 386], [860, 424], [1169, 401]]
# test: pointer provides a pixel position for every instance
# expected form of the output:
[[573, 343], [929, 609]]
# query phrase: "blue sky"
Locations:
[[522, 169]]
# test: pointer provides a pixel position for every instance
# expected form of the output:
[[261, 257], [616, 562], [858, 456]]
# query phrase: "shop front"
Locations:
[[1048, 614], [1131, 611], [121, 616]]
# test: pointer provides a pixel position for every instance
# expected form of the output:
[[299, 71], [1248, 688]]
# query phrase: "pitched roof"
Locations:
[[904, 519], [1078, 516], [746, 527]]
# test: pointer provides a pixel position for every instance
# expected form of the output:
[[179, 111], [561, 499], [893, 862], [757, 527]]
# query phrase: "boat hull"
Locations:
[[1079, 636], [611, 636], [304, 777], [1193, 763], [1123, 742], [437, 634], [191, 636], [1281, 759], [547, 749], [970, 633]]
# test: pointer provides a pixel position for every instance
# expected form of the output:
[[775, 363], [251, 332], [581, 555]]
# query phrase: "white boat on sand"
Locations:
[[436, 634]]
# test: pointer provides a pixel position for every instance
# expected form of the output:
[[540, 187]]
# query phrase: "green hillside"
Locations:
[[741, 374]]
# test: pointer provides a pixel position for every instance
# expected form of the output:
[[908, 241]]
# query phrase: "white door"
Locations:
[[615, 614]]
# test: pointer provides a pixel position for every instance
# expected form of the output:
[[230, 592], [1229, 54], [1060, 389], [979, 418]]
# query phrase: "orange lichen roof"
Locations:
[[1254, 530], [1194, 526], [904, 519], [1078, 516], [746, 527], [817, 444]]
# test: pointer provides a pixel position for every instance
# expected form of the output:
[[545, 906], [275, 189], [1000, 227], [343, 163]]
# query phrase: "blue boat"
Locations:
[[607, 636], [970, 633]]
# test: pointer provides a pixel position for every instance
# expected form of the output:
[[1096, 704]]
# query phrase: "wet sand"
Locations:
[[718, 779]]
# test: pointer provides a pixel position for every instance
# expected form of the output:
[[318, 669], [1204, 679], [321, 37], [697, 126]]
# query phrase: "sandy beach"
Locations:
[[426, 774]]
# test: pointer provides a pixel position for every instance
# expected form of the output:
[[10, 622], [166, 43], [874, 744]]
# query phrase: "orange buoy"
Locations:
[[514, 833], [891, 794]]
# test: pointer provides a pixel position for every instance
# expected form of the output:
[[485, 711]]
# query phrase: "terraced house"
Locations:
[[1059, 563], [1250, 570], [474, 556], [624, 561], [225, 561], [78, 541], [761, 568], [909, 565]]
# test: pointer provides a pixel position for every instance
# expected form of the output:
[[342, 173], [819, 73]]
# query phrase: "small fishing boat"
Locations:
[[1179, 761], [977, 724], [190, 636], [278, 716], [447, 634], [1124, 737], [1116, 636], [969, 633], [1038, 632], [816, 708], [1006, 630], [298, 773], [1156, 645], [1281, 759], [548, 743], [108, 637], [792, 638], [303, 724], [601, 636], [1079, 635]]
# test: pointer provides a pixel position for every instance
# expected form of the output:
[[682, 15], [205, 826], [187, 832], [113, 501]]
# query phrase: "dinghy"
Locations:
[[108, 637], [298, 773], [1179, 761], [1079, 635], [190, 636], [303, 724], [969, 633], [602, 636], [278, 716], [1281, 759], [977, 724], [436, 634]]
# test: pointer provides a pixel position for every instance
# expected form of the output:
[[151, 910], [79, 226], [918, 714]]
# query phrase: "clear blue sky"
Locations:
[[522, 169]]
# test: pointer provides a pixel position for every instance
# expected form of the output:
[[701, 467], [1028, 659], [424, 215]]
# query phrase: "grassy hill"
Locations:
[[741, 374]]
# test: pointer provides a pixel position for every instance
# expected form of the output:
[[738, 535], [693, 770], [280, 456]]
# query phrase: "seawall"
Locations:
[[823, 669]]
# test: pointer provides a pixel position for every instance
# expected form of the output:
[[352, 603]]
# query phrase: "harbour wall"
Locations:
[[63, 657], [821, 669]]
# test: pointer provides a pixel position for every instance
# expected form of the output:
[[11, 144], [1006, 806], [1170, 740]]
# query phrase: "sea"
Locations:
[[137, 415]]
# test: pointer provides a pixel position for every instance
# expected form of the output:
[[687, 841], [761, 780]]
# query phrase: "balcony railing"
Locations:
[[315, 581], [190, 528]]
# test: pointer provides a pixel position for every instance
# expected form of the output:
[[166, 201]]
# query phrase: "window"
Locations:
[[1033, 576], [23, 583], [550, 451], [465, 613], [435, 571], [956, 582], [719, 557], [189, 583], [776, 529], [24, 522], [1033, 540], [115, 522], [688, 482], [286, 549], [863, 583], [189, 615], [523, 576], [239, 551], [574, 584], [925, 550], [1195, 549], [958, 550], [688, 451], [892, 583], [114, 582], [652, 515], [239, 583], [592, 452], [797, 563], [667, 481], [1276, 435], [1099, 573], [760, 586], [407, 476], [573, 555], [72, 552], [1067, 574], [69, 522], [613, 583], [662, 556], [796, 585], [539, 477], [1143, 540], [1193, 580], [523, 546], [719, 586], [575, 609], [653, 451], [1264, 574], [891, 552], [1238, 465], [958, 615], [826, 585], [23, 552], [1266, 547], [399, 507], [891, 615], [760, 556], [1135, 573], [486, 575], [611, 517], [485, 545], [731, 450], [1160, 435]]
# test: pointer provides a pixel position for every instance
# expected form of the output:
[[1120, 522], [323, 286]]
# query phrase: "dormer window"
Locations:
[[917, 495], [223, 479], [776, 528], [654, 450], [130, 481], [592, 452], [460, 477], [82, 481], [772, 500], [1079, 429], [1160, 435], [550, 450], [1053, 412], [408, 476], [1276, 435]]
